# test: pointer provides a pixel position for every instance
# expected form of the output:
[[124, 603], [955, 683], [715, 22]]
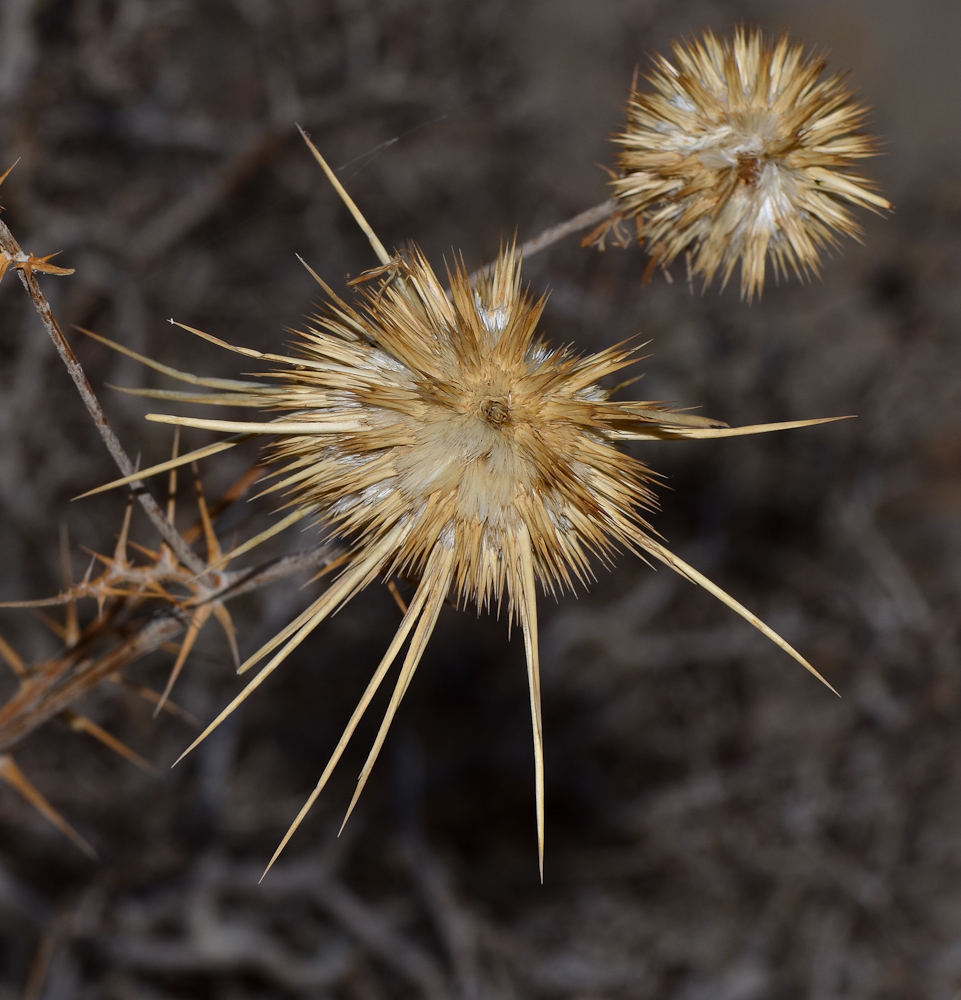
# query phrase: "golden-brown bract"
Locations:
[[739, 151]]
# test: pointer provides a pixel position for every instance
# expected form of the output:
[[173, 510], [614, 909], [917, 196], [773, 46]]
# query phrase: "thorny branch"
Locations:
[[56, 684], [152, 509], [243, 581], [49, 688]]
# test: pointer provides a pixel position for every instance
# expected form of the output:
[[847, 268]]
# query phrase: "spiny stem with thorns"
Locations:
[[59, 683], [72, 363]]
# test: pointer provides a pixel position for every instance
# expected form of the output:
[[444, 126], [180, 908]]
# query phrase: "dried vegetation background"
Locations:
[[719, 826]]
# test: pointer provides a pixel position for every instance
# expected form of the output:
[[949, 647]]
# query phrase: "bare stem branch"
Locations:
[[589, 217]]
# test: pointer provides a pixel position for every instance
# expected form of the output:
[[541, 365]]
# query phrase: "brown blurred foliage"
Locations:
[[719, 826]]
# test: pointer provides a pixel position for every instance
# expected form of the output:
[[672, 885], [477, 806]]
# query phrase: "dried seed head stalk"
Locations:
[[742, 151], [449, 443]]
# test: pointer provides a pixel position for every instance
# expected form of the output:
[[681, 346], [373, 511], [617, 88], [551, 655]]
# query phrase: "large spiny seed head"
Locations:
[[464, 427], [445, 441], [740, 151]]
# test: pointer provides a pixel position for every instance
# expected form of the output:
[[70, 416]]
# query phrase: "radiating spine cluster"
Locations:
[[448, 443], [742, 151]]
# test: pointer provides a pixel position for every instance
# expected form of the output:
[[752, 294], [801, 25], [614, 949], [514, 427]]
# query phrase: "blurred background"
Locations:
[[720, 826]]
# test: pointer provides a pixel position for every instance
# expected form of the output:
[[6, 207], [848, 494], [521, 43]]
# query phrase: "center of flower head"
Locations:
[[496, 411], [489, 394], [749, 169]]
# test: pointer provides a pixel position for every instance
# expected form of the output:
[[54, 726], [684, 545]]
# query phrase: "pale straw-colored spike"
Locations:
[[13, 659], [261, 400], [332, 426], [16, 779], [437, 579], [172, 481], [343, 310], [527, 602], [81, 724], [382, 255], [226, 623], [214, 552], [700, 433], [320, 281], [247, 352], [209, 383], [412, 614], [852, 191], [193, 456], [309, 469], [197, 622], [671, 431], [341, 590], [690, 573], [72, 619]]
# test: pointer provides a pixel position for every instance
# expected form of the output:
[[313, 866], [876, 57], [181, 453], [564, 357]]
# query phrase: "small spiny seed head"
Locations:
[[742, 151]]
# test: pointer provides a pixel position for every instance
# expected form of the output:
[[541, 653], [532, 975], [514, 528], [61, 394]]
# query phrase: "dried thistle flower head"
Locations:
[[448, 443], [742, 151]]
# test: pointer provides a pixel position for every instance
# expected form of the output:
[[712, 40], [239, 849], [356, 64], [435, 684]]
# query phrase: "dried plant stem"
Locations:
[[553, 234], [589, 217], [72, 363]]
